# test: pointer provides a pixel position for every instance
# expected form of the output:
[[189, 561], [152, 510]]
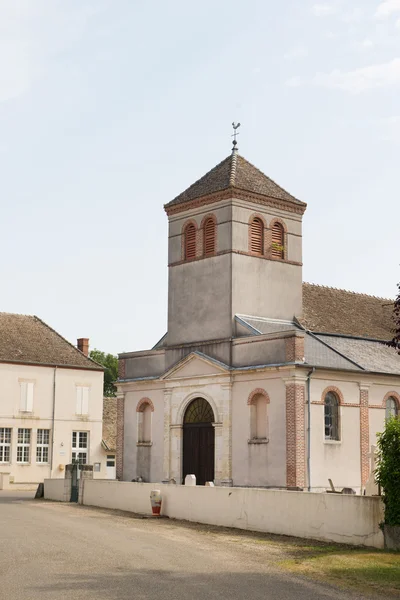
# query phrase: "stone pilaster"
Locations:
[[295, 434], [120, 435], [226, 435], [167, 434], [364, 433]]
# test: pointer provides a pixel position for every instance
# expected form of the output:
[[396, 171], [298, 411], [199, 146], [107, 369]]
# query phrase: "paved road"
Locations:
[[52, 551]]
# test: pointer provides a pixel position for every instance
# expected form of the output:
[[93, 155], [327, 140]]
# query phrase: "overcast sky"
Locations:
[[110, 108]]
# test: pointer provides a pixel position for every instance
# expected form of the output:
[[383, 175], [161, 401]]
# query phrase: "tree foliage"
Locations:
[[387, 473], [395, 342], [110, 364]]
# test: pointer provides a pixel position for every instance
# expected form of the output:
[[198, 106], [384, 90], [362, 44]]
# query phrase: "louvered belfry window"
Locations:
[[190, 241], [278, 241], [209, 237], [257, 236]]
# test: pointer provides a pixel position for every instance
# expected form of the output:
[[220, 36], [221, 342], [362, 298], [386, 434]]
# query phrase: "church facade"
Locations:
[[261, 380]]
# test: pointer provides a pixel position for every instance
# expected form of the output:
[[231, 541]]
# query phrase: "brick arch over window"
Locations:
[[257, 392], [143, 403], [257, 227], [278, 239], [336, 391], [395, 397], [209, 229], [189, 239]]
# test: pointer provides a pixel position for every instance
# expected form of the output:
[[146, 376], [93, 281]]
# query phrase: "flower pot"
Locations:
[[391, 535], [156, 500]]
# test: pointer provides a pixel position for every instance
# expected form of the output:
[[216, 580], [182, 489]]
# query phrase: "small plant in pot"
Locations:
[[387, 476]]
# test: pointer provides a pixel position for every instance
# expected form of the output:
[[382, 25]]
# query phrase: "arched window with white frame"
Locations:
[[392, 408], [332, 416]]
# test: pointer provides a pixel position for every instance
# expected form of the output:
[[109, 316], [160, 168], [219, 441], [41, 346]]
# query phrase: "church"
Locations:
[[261, 380]]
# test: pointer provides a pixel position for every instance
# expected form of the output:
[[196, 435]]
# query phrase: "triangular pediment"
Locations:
[[196, 365]]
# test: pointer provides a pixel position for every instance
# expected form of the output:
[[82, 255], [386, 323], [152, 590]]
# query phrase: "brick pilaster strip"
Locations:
[[295, 435], [120, 436], [364, 435]]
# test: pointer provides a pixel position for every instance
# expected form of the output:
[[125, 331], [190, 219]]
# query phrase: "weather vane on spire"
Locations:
[[235, 133]]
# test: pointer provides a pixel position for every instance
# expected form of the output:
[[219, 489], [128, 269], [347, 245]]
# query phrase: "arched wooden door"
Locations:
[[198, 441]]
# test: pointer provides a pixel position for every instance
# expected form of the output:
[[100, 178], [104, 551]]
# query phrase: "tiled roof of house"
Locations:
[[27, 339], [329, 310], [110, 424], [234, 172]]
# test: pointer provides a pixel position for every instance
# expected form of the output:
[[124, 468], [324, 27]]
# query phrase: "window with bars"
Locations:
[[257, 236], [5, 444], [23, 445], [190, 241], [42, 445], [392, 409], [278, 241], [331, 410], [80, 447], [209, 237]]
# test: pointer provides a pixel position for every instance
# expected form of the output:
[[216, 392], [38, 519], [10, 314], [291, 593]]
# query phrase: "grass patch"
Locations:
[[368, 570]]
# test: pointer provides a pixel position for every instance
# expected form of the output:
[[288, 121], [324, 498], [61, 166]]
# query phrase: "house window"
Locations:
[[82, 400], [5, 444], [26, 396], [209, 237], [80, 447], [331, 406], [42, 445], [110, 460], [258, 417], [190, 241], [278, 241], [392, 409], [23, 445], [257, 236]]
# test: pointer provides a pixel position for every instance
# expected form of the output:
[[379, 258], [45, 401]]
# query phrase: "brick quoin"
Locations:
[[120, 436], [121, 368], [295, 435], [294, 349], [364, 435]]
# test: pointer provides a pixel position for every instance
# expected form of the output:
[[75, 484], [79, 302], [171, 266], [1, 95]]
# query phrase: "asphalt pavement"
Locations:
[[54, 551]]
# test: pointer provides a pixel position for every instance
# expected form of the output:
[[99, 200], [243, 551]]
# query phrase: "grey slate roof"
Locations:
[[330, 310], [333, 352], [234, 172], [27, 339], [370, 355]]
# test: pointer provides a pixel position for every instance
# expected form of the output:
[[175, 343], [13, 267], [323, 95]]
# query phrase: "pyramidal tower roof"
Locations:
[[234, 172]]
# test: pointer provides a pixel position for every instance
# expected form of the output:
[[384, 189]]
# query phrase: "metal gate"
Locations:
[[74, 483]]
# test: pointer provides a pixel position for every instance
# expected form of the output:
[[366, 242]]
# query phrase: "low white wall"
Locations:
[[57, 489], [328, 517]]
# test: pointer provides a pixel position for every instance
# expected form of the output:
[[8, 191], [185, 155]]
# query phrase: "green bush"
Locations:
[[387, 473]]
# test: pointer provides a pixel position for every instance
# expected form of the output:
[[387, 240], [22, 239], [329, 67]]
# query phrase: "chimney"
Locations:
[[83, 345]]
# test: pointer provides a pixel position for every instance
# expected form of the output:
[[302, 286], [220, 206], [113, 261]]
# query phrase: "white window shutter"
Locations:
[[85, 400], [29, 397], [78, 400], [24, 393]]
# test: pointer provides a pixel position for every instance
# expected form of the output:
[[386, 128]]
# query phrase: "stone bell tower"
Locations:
[[235, 247]]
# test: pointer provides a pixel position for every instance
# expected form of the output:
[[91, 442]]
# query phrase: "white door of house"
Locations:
[[110, 466]]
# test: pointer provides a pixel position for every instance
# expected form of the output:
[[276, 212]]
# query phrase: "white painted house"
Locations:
[[261, 380], [51, 403]]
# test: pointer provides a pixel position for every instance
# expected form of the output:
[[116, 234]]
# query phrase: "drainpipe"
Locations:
[[309, 428], [52, 422]]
